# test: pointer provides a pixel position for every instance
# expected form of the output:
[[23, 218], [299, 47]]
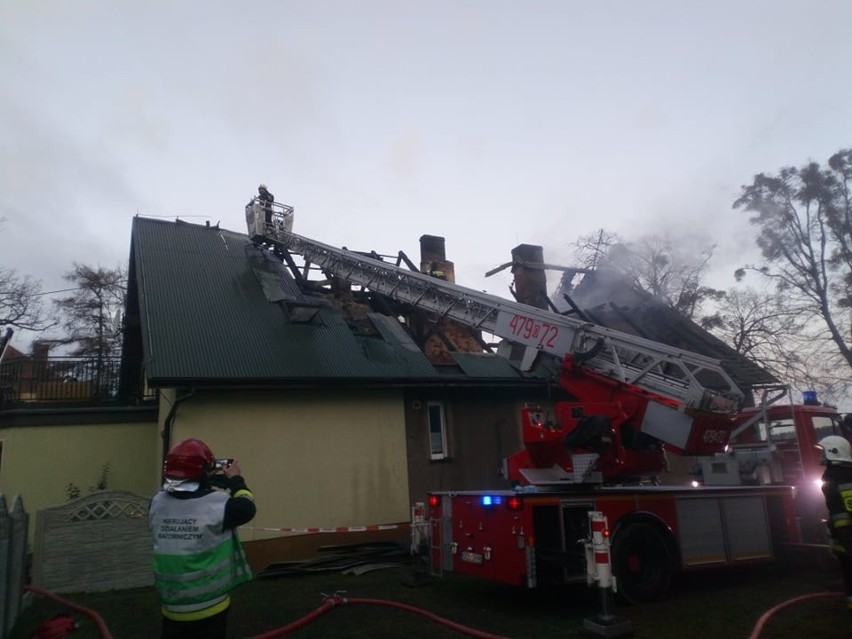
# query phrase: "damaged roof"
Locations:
[[210, 306], [613, 302]]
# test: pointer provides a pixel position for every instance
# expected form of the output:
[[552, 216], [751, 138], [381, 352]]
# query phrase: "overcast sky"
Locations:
[[488, 122]]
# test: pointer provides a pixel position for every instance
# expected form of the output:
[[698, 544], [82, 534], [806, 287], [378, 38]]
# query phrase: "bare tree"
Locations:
[[592, 249], [804, 217], [92, 315], [20, 302], [761, 328]]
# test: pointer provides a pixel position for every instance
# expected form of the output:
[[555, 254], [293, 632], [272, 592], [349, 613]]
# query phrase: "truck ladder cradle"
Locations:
[[655, 367]]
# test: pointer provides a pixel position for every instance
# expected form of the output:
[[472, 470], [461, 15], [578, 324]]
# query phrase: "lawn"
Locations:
[[720, 604]]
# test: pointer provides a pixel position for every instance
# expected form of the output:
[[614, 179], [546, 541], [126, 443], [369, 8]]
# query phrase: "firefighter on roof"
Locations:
[[198, 558], [837, 488]]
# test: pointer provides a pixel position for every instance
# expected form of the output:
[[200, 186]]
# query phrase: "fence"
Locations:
[[76, 380], [13, 558], [95, 543]]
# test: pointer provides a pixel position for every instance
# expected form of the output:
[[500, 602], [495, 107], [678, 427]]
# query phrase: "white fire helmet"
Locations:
[[262, 187], [836, 449]]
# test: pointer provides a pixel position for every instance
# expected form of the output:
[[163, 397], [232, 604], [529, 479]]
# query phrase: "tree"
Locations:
[[91, 316], [657, 265], [20, 302], [804, 220], [757, 325]]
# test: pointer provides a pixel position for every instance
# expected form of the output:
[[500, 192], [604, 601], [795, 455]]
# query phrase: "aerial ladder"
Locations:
[[4, 341], [632, 392]]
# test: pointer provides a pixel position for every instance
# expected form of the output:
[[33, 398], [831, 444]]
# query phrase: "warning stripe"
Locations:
[[338, 529]]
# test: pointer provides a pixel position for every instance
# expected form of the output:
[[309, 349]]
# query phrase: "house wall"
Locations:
[[311, 458], [482, 429], [39, 462]]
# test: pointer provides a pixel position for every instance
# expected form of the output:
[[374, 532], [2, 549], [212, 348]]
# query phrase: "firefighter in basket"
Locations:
[[837, 488]]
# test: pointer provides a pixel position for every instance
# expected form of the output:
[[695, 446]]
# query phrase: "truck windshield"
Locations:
[[784, 429]]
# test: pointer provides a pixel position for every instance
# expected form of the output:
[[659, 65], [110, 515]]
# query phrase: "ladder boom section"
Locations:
[[659, 368]]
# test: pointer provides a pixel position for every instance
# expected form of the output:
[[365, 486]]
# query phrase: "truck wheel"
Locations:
[[641, 563]]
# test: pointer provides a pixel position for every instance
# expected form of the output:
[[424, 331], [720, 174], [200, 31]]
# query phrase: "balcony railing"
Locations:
[[74, 381]]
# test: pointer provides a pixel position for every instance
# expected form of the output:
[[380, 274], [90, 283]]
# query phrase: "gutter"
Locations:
[[170, 420]]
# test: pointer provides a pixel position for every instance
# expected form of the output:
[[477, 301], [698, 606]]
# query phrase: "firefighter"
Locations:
[[837, 488], [437, 271], [198, 558], [266, 199]]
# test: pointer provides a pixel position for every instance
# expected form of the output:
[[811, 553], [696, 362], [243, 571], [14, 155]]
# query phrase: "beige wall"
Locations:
[[38, 462], [312, 459]]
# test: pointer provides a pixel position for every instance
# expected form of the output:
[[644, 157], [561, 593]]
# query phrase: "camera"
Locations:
[[221, 464]]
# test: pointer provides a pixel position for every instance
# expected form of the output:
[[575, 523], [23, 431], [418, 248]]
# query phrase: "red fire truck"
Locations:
[[633, 402]]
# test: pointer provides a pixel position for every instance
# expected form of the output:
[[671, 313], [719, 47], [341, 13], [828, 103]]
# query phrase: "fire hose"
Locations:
[[758, 628], [329, 602], [337, 599], [102, 627]]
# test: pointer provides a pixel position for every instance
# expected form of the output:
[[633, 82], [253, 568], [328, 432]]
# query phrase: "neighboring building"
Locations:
[[337, 415]]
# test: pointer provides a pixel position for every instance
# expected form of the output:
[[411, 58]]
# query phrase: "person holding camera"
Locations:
[[198, 558]]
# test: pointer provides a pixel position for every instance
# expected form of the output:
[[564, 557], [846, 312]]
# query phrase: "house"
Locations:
[[340, 415]]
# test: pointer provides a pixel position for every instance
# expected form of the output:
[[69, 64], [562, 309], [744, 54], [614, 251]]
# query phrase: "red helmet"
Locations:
[[191, 459]]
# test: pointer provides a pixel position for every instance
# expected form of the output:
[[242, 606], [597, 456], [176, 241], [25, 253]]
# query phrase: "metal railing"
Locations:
[[69, 380]]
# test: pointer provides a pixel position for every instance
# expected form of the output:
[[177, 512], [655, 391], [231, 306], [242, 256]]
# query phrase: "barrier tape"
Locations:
[[339, 529]]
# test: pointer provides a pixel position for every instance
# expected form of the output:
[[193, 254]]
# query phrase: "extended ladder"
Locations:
[[662, 369]]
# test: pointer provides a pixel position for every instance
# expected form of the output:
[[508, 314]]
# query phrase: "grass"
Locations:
[[718, 604]]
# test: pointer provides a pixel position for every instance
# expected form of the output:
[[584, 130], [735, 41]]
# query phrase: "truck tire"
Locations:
[[641, 563]]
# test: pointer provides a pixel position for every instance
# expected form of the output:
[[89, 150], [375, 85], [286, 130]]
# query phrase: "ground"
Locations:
[[718, 604]]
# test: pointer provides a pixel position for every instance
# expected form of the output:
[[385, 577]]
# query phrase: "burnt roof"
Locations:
[[611, 301], [210, 307]]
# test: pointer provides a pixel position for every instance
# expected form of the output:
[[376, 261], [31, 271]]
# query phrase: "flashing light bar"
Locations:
[[512, 503]]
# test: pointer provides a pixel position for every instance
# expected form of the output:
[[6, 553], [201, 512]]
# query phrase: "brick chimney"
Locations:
[[432, 250], [530, 278], [433, 338], [41, 350]]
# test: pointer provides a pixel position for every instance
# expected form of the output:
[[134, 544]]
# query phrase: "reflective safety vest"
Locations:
[[196, 562], [841, 518]]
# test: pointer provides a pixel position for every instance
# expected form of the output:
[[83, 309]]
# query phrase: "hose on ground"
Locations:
[[758, 628], [338, 600], [102, 627]]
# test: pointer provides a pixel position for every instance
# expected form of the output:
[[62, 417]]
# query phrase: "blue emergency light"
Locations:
[[492, 500]]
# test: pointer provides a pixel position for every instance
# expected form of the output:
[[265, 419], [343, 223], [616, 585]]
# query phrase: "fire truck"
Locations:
[[629, 403]]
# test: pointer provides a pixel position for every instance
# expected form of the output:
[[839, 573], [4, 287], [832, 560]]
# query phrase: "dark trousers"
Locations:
[[210, 628], [846, 570]]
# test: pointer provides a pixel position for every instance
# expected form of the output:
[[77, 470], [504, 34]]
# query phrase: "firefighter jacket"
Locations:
[[197, 560], [837, 488]]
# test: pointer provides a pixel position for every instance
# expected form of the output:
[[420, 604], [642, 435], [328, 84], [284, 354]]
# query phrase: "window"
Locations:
[[437, 430], [783, 430], [825, 426]]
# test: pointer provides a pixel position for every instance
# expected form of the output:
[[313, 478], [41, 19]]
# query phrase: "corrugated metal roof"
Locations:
[[483, 365], [212, 307], [207, 314]]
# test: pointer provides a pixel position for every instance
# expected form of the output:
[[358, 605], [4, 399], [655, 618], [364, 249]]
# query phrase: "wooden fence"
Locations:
[[13, 559]]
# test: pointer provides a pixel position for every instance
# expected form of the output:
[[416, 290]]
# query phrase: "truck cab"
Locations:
[[777, 444]]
